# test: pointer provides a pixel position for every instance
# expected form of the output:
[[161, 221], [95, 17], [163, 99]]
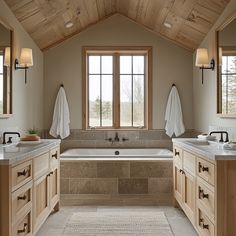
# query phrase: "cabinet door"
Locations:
[[178, 184], [41, 203], [188, 195], [54, 187]]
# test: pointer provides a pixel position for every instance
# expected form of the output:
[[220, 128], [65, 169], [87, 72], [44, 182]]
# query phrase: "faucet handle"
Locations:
[[9, 140]]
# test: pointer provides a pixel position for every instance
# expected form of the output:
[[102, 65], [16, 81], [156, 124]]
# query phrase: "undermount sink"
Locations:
[[199, 142]]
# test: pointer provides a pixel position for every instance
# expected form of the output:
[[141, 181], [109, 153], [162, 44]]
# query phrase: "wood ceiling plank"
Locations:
[[154, 9], [32, 22], [160, 18], [105, 7], [215, 5], [205, 13], [91, 8], [110, 7], [51, 8], [191, 34], [101, 8], [123, 6], [132, 9], [176, 22], [183, 8], [16, 4], [26, 11]]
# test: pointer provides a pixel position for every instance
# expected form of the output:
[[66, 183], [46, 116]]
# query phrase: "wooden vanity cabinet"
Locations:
[[184, 182], [207, 192], [29, 192]]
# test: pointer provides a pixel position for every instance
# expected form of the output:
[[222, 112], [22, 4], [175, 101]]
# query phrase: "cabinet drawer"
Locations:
[[189, 162], [206, 200], [24, 226], [54, 158], [204, 225], [41, 165], [206, 171], [21, 200], [21, 174], [177, 156]]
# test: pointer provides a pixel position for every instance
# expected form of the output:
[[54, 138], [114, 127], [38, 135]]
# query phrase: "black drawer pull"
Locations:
[[176, 153], [22, 173], [55, 155], [202, 168], [202, 194], [22, 197], [51, 173], [19, 231], [204, 226]]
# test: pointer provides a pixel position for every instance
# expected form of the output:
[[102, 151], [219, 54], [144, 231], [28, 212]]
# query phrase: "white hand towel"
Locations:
[[173, 116], [61, 117]]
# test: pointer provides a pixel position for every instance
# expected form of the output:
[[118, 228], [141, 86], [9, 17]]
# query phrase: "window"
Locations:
[[228, 76], [117, 88]]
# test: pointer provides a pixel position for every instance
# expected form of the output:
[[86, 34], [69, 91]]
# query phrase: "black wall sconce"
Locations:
[[202, 60], [26, 61]]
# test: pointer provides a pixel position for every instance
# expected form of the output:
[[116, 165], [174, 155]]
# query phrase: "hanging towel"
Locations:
[[173, 116], [61, 117]]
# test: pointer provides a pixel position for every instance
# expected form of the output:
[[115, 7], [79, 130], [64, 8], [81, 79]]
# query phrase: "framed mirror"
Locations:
[[226, 68], [6, 62]]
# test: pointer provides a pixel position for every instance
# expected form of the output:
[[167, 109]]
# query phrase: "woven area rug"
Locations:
[[117, 224]]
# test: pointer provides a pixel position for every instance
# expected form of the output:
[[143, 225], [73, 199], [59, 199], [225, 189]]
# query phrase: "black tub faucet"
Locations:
[[116, 139], [10, 138]]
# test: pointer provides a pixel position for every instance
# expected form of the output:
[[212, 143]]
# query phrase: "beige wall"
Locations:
[[171, 63], [27, 99], [205, 95]]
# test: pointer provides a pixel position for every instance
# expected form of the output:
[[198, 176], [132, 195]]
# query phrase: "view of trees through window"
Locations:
[[1, 84], [228, 75], [102, 87]]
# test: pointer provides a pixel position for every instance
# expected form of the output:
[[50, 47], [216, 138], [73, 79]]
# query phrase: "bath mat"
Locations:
[[117, 224]]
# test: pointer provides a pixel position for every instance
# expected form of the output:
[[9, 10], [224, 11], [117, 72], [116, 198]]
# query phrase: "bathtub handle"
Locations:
[[109, 139]]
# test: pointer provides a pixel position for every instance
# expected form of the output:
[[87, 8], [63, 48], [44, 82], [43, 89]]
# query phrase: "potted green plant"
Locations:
[[33, 132]]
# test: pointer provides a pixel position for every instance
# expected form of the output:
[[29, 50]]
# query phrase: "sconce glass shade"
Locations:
[[7, 56], [220, 56], [202, 58], [26, 57]]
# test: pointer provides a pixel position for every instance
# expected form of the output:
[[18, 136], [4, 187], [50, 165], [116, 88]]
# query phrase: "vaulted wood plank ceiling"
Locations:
[[190, 20]]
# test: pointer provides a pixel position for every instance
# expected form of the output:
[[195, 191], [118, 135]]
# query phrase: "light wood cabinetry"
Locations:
[[184, 181], [206, 191], [29, 192]]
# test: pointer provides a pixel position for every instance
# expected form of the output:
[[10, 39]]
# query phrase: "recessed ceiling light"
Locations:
[[69, 24], [168, 25]]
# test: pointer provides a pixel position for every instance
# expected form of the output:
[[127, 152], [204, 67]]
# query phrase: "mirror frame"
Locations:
[[219, 96], [10, 113]]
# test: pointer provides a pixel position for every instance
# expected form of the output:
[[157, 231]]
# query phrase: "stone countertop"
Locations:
[[13, 154], [213, 150]]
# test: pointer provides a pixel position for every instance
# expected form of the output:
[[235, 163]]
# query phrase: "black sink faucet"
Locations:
[[221, 135], [9, 140]]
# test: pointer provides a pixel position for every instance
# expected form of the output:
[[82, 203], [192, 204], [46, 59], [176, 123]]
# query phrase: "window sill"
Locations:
[[226, 116]]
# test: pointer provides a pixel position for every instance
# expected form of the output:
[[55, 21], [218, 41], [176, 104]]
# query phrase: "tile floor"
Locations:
[[56, 222]]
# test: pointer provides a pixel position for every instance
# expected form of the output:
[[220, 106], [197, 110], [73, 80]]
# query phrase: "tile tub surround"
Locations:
[[116, 182], [137, 138]]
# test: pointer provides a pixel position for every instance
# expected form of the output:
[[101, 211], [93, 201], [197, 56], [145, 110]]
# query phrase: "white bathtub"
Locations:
[[114, 154]]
